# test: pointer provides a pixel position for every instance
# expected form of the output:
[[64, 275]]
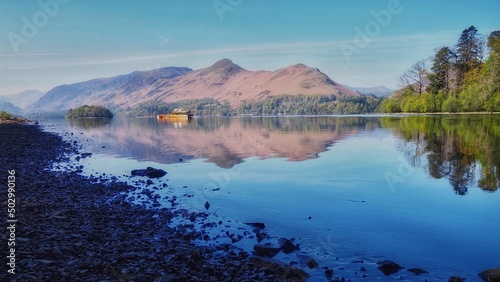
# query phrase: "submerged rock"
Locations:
[[258, 225], [456, 279], [149, 172], [491, 275], [388, 267], [417, 271]]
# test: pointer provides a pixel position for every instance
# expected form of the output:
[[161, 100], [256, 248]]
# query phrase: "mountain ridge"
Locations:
[[379, 91], [16, 103], [222, 81]]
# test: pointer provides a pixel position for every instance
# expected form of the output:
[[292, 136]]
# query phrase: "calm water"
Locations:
[[418, 190]]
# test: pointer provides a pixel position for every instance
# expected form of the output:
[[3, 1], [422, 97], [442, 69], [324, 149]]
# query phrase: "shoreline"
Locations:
[[73, 228]]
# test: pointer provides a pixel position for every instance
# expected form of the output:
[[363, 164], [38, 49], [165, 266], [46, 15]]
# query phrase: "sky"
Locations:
[[364, 43]]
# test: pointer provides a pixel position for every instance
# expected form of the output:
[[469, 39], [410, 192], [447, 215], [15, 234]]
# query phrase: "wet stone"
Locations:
[[417, 271], [492, 274], [287, 246], [307, 261], [149, 172], [388, 267], [266, 250]]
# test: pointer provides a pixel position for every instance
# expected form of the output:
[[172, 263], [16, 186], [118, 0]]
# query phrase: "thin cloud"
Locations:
[[325, 49]]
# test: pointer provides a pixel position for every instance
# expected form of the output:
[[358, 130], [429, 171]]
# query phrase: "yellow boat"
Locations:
[[177, 114]]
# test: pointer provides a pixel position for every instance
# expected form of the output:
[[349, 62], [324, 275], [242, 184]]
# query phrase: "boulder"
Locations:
[[329, 273], [456, 279], [388, 267], [288, 272], [85, 155], [149, 172], [287, 246], [266, 250], [257, 225], [490, 275], [309, 262]]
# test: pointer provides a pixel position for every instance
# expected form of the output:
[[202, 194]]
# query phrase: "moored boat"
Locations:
[[176, 114]]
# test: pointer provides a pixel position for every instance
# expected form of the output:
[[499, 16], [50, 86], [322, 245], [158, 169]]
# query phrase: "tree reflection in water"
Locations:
[[463, 148]]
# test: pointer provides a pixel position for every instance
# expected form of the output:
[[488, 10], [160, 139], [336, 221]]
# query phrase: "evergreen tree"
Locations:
[[443, 71], [469, 53]]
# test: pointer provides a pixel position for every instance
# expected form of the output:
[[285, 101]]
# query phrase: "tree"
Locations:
[[492, 65], [470, 51], [415, 77], [443, 71], [494, 42], [89, 111], [4, 114]]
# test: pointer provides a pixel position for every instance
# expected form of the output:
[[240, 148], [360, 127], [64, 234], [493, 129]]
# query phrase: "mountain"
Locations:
[[25, 98], [223, 81], [124, 90], [15, 104], [379, 91], [7, 106]]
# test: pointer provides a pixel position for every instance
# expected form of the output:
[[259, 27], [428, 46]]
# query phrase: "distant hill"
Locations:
[[379, 91], [25, 98], [16, 103], [223, 81], [7, 106], [124, 90]]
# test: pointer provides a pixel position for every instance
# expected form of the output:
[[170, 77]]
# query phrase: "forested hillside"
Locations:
[[274, 105], [459, 79]]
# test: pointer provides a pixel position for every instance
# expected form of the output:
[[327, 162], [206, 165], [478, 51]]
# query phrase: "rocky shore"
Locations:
[[72, 228]]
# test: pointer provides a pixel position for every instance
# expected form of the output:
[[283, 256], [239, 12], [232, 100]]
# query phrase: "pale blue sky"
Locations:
[[69, 41]]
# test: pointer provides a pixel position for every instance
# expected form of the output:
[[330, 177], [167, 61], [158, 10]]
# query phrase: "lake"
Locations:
[[418, 190]]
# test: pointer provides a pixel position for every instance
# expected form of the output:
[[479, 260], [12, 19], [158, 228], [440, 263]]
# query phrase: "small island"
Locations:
[[89, 112]]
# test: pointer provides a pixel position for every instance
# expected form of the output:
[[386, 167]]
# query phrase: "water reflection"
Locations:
[[87, 123], [464, 149]]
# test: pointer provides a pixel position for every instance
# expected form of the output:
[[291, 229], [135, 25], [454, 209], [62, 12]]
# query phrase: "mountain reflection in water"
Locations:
[[462, 148]]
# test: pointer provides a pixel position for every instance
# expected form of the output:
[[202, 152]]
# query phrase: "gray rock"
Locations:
[[388, 267], [491, 275], [456, 279], [266, 250], [257, 225], [417, 271], [309, 262], [149, 172], [287, 246], [329, 273]]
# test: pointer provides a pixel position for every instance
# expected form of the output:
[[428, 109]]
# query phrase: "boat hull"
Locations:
[[174, 117]]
